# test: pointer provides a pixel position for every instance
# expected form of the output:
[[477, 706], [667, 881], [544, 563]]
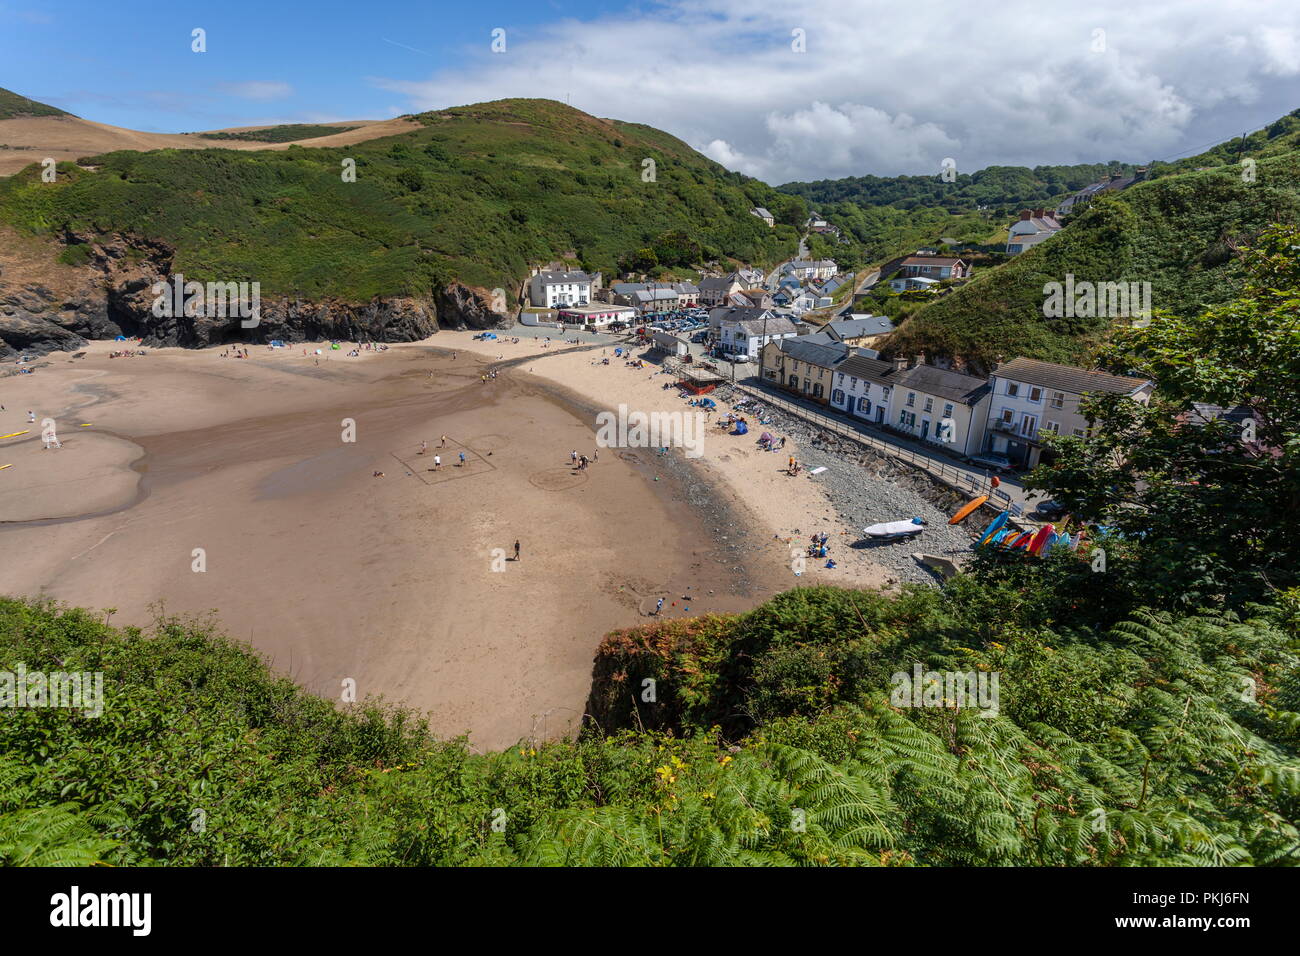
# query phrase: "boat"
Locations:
[[967, 508], [993, 528], [895, 529]]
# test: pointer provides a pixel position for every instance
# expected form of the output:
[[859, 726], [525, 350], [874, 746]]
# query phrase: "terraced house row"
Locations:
[[1004, 414]]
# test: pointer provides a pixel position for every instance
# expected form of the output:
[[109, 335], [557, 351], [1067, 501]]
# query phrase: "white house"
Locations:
[[912, 283], [764, 215], [807, 269], [861, 387], [1031, 397], [1033, 227], [747, 330], [939, 405], [551, 289]]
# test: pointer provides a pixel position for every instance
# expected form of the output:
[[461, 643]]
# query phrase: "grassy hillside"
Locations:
[[480, 194], [1178, 233], [280, 134], [13, 105]]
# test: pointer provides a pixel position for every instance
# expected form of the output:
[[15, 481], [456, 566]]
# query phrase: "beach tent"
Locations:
[[276, 344], [120, 338], [334, 346], [741, 428]]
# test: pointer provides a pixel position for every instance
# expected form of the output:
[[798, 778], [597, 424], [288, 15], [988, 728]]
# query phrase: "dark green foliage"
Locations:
[[281, 134], [480, 194], [12, 105]]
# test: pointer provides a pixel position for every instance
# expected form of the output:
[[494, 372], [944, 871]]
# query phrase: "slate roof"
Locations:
[[1067, 378]]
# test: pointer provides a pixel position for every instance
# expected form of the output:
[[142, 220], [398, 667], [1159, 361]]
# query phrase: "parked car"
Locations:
[[700, 337], [993, 459], [1049, 510]]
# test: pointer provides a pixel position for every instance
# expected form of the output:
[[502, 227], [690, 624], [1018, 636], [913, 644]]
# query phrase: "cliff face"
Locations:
[[112, 294]]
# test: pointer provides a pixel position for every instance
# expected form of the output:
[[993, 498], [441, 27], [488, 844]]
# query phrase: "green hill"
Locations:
[[13, 106], [1178, 232], [479, 194]]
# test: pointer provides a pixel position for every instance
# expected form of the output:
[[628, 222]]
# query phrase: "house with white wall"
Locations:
[[1030, 398], [551, 289]]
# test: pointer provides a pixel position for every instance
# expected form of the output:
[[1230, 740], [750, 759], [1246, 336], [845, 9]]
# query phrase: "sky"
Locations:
[[784, 91]]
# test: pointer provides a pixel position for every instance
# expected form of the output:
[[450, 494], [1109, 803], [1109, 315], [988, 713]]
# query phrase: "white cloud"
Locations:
[[258, 90], [888, 90]]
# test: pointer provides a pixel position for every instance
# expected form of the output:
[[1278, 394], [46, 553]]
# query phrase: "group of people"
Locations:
[[437, 459], [580, 462], [126, 353]]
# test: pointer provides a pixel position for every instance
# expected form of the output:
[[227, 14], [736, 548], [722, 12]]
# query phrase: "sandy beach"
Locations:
[[227, 485]]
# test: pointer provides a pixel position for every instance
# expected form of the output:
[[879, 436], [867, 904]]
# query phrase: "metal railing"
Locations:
[[963, 478]]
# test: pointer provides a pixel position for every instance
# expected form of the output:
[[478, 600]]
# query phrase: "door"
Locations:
[[925, 428]]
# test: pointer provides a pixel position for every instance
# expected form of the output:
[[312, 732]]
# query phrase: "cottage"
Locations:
[[806, 269], [764, 215], [1033, 227], [803, 368], [715, 290], [1032, 397], [551, 289], [939, 405], [746, 330], [858, 330]]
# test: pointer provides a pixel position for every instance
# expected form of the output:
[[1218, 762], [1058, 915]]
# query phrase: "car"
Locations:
[[993, 459], [700, 337], [1049, 510], [736, 357]]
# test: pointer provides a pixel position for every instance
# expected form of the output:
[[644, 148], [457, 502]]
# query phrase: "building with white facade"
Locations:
[[548, 290], [1030, 398]]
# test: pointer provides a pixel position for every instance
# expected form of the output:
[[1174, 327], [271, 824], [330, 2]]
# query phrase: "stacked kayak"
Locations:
[[999, 534]]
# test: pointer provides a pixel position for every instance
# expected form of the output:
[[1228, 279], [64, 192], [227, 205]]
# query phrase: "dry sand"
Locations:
[[392, 582]]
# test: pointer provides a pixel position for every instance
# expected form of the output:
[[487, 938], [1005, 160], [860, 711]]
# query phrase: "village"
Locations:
[[796, 331]]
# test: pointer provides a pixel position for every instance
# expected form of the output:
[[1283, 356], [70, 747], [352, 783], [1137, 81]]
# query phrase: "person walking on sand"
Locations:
[[462, 460], [444, 441], [437, 462], [516, 550], [424, 446], [573, 457]]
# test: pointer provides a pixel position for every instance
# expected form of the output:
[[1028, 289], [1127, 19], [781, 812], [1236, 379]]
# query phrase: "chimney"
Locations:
[[918, 360], [900, 362], [1039, 213], [1025, 214]]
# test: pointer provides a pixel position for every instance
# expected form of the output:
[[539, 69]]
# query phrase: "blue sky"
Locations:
[[818, 89]]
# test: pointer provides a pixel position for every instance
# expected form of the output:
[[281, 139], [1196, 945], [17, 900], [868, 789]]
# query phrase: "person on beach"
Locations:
[[424, 446], [595, 454], [659, 607], [31, 416], [437, 462], [444, 441], [516, 550], [573, 457], [462, 460]]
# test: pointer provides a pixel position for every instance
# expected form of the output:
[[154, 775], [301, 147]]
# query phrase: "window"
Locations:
[[947, 411], [1053, 427], [1013, 389], [1035, 394], [841, 379], [837, 396], [794, 381], [911, 399], [1058, 399], [929, 404], [1007, 416], [902, 419], [853, 383], [1029, 425], [864, 405], [1076, 432], [817, 390]]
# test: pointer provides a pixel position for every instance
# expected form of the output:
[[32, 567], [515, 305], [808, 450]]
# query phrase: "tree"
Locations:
[[1199, 484]]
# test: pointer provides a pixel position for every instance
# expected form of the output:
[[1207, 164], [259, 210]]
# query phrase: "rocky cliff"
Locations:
[[111, 293]]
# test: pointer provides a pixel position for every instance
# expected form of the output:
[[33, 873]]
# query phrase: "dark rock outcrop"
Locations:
[[114, 295]]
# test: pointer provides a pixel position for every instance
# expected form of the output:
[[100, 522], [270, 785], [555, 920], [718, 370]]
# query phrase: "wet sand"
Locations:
[[395, 583]]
